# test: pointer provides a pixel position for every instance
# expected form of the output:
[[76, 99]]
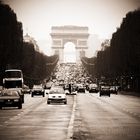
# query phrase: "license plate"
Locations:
[[8, 103]]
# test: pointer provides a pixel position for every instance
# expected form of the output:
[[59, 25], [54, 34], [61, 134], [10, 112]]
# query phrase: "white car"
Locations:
[[80, 88], [93, 88], [57, 95]]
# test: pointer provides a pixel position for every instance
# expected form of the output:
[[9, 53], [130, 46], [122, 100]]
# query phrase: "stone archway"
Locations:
[[69, 53], [75, 34]]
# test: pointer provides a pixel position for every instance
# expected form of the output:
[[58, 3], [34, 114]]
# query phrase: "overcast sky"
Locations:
[[101, 16]]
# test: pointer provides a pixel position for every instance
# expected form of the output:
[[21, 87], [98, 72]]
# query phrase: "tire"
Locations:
[[43, 95], [23, 99], [32, 95], [20, 106], [65, 102], [48, 102], [0, 107]]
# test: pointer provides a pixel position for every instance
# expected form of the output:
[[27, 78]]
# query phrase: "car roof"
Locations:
[[13, 70]]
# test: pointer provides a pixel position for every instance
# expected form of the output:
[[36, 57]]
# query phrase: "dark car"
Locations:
[[38, 90], [104, 90], [113, 89], [19, 90], [10, 98]]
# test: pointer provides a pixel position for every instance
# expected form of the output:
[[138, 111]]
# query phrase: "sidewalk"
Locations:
[[132, 93]]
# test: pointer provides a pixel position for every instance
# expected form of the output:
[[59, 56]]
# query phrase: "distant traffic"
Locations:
[[67, 79]]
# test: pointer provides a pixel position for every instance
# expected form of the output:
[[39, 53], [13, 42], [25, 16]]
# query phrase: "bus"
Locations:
[[13, 80]]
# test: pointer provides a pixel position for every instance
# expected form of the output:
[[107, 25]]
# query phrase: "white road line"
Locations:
[[71, 123]]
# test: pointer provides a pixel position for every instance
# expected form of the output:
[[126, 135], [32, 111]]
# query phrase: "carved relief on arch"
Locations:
[[82, 42], [57, 42]]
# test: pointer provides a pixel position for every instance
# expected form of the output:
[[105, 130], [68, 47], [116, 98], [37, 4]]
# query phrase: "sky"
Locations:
[[101, 16]]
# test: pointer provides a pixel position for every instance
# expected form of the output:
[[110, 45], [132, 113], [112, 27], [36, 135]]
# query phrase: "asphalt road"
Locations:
[[104, 118], [36, 121], [85, 117]]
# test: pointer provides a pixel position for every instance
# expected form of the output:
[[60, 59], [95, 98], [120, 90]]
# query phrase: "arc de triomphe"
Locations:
[[75, 34]]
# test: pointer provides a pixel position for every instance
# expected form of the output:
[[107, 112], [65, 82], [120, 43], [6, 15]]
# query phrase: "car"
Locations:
[[70, 93], [48, 85], [66, 86], [80, 88], [26, 89], [67, 92], [73, 93], [104, 90], [113, 89], [93, 88], [73, 90], [57, 95], [19, 90], [37, 90], [10, 98]]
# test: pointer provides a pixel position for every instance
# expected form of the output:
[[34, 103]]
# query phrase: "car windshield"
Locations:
[[37, 86], [106, 87], [56, 91], [93, 85], [80, 85], [13, 84], [9, 93], [13, 74]]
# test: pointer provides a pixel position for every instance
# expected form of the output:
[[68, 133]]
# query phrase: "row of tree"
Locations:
[[15, 53], [35, 65], [120, 59]]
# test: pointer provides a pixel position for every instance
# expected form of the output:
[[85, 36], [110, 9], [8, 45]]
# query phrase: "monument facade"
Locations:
[[62, 34]]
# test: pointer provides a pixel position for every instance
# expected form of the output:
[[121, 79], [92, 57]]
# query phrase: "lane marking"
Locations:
[[71, 123]]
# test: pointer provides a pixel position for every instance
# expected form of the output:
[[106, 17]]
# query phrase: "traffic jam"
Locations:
[[68, 79]]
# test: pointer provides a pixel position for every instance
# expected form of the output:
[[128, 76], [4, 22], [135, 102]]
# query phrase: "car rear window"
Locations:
[[9, 93]]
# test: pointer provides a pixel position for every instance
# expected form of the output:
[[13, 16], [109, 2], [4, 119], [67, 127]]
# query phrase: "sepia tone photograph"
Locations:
[[69, 69]]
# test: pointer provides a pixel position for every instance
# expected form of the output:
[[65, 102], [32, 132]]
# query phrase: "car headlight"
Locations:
[[1, 100], [16, 100]]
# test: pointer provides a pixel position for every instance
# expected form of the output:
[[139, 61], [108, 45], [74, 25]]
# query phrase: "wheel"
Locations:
[[48, 102], [23, 99], [43, 95], [32, 95], [20, 106]]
